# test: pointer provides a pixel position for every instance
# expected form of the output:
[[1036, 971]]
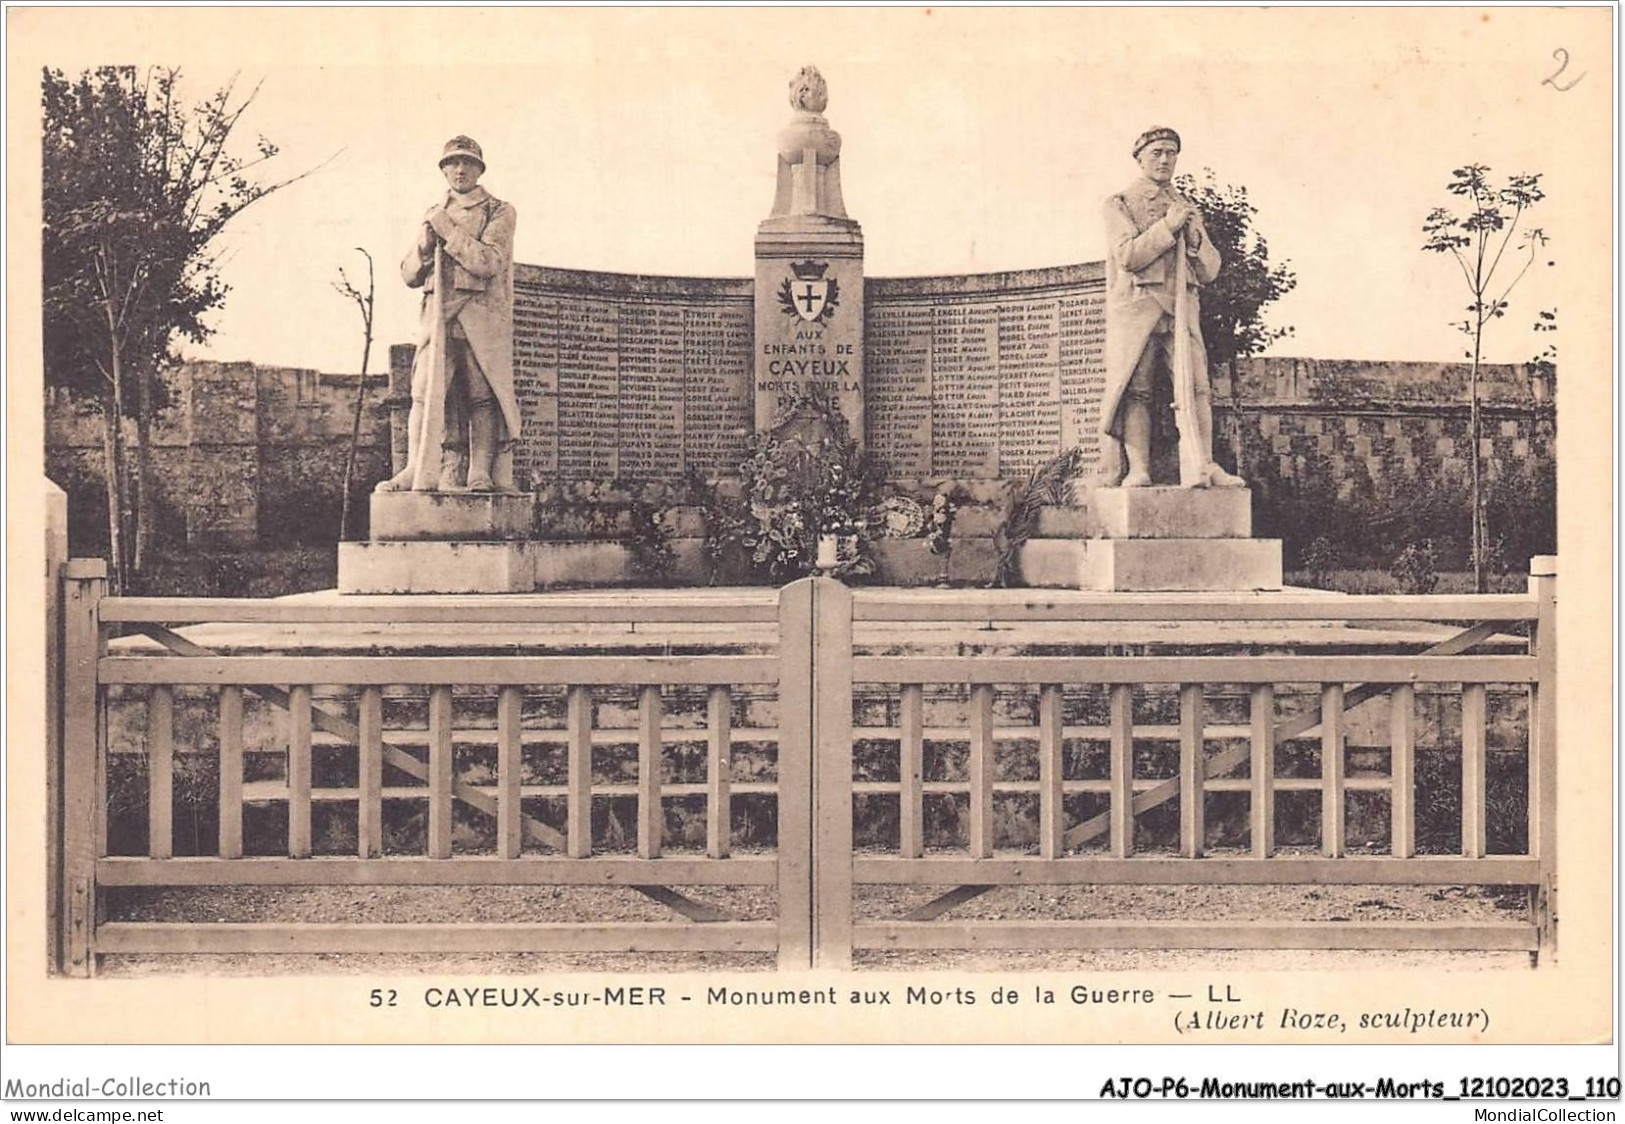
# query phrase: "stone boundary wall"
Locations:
[[248, 457], [244, 457], [1404, 420]]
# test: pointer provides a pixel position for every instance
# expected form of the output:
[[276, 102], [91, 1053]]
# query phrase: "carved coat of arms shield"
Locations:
[[808, 294], [810, 298]]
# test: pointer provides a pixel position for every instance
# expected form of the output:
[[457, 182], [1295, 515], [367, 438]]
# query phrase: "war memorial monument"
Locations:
[[962, 384]]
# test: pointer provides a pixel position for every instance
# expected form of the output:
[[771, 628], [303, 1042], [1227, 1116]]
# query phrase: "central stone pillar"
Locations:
[[809, 272]]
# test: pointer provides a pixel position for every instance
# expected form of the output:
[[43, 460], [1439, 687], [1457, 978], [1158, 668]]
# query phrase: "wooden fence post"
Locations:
[[795, 774], [832, 775], [1543, 748], [83, 644], [56, 555]]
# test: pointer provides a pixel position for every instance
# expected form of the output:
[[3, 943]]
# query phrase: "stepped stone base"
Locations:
[[450, 516], [436, 567], [1057, 522], [1152, 565]]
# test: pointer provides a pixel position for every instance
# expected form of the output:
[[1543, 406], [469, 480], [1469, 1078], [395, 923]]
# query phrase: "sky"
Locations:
[[643, 142]]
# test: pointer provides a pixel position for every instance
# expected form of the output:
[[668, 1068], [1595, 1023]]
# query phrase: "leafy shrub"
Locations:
[[1417, 568], [1319, 559]]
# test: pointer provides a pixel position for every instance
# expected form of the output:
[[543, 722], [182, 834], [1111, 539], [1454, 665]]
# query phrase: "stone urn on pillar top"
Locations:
[[809, 271], [809, 183]]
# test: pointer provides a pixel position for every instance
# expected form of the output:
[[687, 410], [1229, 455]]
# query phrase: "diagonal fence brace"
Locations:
[[942, 903], [341, 727], [681, 903]]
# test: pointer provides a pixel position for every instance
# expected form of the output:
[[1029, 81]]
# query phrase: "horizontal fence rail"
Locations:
[[469, 609], [441, 670], [1205, 669], [1027, 605]]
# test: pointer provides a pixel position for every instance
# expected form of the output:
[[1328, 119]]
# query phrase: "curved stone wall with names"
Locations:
[[984, 376], [622, 376]]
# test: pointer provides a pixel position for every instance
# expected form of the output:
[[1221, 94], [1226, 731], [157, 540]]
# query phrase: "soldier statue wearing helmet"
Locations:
[[473, 230]]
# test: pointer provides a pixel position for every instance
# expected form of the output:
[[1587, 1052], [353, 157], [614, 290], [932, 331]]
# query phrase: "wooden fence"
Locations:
[[1342, 682], [554, 856], [813, 676]]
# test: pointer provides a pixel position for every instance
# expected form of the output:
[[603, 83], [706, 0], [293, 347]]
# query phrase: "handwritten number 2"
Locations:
[[1562, 57]]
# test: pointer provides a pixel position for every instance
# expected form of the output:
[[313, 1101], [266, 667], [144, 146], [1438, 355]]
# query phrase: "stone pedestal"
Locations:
[[1149, 540], [436, 567], [442, 542], [809, 315]]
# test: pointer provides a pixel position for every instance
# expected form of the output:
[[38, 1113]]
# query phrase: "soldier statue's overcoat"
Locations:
[[1140, 278]]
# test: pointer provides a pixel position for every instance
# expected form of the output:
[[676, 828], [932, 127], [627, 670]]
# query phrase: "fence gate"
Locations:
[[1458, 676]]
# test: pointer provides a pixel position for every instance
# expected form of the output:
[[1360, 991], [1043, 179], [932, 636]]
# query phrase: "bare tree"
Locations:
[[365, 305], [1478, 240]]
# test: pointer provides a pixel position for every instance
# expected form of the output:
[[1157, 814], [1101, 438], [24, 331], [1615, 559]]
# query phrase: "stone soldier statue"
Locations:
[[1158, 256], [464, 416]]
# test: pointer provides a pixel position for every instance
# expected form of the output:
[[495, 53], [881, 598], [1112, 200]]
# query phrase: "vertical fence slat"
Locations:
[[84, 808], [578, 801], [1535, 820], [981, 771], [794, 789], [1473, 711], [1331, 770], [161, 771], [299, 771], [1543, 747], [370, 736], [231, 773], [1122, 770], [719, 772], [440, 772], [1402, 770], [911, 773], [1051, 765], [832, 779], [510, 766], [651, 819], [1192, 772], [1262, 818], [56, 556]]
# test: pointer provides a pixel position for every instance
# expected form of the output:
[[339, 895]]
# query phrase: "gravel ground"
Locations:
[[754, 903]]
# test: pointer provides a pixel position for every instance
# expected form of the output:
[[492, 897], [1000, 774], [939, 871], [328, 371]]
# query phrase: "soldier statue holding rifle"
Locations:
[[1158, 256], [464, 416]]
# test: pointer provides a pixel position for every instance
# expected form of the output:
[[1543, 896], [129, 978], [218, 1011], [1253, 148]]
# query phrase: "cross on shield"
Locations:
[[810, 298]]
